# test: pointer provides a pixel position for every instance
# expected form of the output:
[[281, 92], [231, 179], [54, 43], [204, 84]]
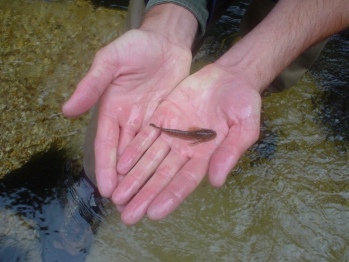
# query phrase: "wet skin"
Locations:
[[199, 135]]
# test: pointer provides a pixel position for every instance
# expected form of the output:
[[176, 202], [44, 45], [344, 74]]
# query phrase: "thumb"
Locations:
[[228, 153], [92, 86]]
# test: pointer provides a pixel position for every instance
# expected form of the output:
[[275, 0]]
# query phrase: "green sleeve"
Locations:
[[197, 7]]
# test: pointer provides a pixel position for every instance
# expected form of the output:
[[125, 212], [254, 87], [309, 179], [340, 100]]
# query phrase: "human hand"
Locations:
[[169, 168], [130, 77]]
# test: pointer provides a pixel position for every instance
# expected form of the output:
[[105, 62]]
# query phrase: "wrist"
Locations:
[[173, 22], [247, 60]]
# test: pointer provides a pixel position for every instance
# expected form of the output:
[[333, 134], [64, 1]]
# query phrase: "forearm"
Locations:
[[291, 27], [172, 21]]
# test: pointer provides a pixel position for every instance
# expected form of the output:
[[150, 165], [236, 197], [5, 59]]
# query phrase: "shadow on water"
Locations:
[[223, 34], [112, 4], [48, 213], [122, 4], [331, 70], [331, 103]]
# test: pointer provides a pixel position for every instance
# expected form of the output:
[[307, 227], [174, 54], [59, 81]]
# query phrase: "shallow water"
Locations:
[[288, 197], [46, 47]]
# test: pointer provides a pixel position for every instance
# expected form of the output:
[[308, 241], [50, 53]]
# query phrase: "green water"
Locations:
[[288, 197]]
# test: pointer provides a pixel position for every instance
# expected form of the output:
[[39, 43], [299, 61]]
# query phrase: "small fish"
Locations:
[[198, 135]]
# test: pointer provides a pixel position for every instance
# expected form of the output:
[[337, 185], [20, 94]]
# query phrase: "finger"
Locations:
[[106, 152], [146, 167], [122, 207], [136, 209], [127, 134], [92, 86], [228, 153], [144, 139], [184, 182]]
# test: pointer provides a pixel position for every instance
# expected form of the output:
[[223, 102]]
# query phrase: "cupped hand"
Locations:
[[129, 77], [163, 170]]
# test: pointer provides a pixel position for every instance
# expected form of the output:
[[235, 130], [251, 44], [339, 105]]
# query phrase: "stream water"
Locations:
[[286, 200]]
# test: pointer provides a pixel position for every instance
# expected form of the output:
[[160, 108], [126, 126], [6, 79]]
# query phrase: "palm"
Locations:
[[171, 169], [130, 76]]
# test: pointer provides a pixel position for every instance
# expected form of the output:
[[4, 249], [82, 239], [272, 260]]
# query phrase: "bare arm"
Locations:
[[290, 28]]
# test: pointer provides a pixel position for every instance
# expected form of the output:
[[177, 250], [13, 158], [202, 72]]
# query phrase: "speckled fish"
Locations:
[[199, 135]]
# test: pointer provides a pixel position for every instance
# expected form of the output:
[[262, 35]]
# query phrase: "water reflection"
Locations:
[[48, 213]]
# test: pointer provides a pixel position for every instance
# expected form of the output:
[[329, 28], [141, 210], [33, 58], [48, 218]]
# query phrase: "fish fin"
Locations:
[[194, 128], [196, 142]]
